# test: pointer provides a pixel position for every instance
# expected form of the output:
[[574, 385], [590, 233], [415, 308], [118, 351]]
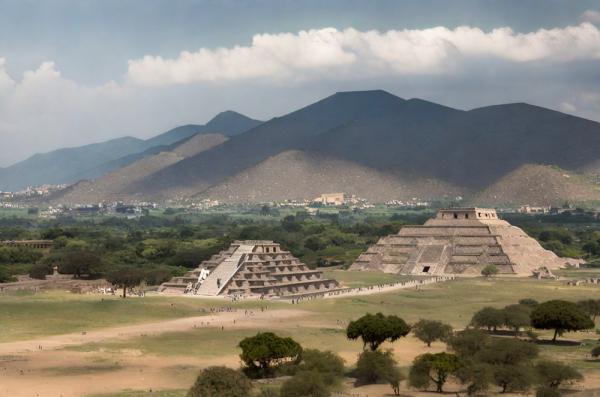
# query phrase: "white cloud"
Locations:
[[567, 107], [43, 110], [592, 16], [353, 53]]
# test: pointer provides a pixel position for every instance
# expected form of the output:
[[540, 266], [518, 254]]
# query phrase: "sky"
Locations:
[[74, 72]]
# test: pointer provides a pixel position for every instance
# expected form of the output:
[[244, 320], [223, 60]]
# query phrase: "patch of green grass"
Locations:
[[577, 356], [140, 393], [453, 302], [578, 273], [354, 279], [56, 312]]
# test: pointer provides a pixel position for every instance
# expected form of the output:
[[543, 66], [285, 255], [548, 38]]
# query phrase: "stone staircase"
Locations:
[[224, 272]]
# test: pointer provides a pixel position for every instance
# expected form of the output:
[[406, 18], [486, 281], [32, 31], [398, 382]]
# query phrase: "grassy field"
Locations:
[[361, 279], [25, 316], [320, 326], [28, 315], [578, 273]]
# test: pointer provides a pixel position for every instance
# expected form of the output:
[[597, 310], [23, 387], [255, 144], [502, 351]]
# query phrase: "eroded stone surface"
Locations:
[[459, 241], [251, 267]]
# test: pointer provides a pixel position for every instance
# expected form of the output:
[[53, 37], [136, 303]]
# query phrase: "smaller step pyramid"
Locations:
[[251, 268], [459, 241]]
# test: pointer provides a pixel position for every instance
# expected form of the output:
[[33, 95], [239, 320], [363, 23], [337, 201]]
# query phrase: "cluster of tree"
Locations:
[[313, 372], [474, 358], [557, 315], [565, 234], [510, 364], [179, 241]]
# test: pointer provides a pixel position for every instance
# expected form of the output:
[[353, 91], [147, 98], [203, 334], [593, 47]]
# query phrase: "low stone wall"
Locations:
[[369, 290]]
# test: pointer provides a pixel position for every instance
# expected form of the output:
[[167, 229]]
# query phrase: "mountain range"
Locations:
[[373, 144], [69, 165]]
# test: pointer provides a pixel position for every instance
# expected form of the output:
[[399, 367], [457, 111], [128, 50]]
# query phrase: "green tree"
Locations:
[[467, 343], [328, 364], [517, 317], [39, 271], [260, 353], [315, 243], [429, 331], [477, 376], [434, 368], [595, 352], [514, 378], [376, 329], [80, 262], [125, 277], [489, 271], [591, 307], [553, 374], [510, 362], [5, 276], [561, 316], [375, 367], [502, 351], [220, 382], [305, 384], [488, 317]]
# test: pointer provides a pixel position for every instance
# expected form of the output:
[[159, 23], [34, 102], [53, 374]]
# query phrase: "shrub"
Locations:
[[375, 367], [430, 330], [5, 276], [596, 351], [328, 364], [553, 374], [514, 378], [489, 271], [39, 271], [220, 382], [305, 384], [468, 342]]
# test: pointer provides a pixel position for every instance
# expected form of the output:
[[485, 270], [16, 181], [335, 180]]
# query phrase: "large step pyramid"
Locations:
[[459, 241], [251, 268]]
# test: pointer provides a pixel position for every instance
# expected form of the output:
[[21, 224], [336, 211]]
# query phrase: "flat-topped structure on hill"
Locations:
[[251, 268], [458, 241]]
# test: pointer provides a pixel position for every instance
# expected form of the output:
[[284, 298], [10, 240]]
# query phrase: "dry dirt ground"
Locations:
[[43, 367]]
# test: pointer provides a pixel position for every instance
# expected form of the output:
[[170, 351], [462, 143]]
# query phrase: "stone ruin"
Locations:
[[460, 241], [251, 268]]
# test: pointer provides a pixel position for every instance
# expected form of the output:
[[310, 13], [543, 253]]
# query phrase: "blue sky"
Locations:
[[74, 72]]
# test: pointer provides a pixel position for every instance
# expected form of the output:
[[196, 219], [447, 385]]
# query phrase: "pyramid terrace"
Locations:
[[251, 268], [460, 241]]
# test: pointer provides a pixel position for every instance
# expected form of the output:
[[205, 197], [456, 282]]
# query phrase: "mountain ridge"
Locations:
[[68, 165]]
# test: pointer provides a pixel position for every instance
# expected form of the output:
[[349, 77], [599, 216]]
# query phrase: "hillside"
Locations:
[[303, 175], [90, 161], [472, 149], [109, 186], [538, 185], [296, 130]]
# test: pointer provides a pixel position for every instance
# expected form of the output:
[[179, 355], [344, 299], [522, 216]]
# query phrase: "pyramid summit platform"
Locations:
[[459, 241]]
